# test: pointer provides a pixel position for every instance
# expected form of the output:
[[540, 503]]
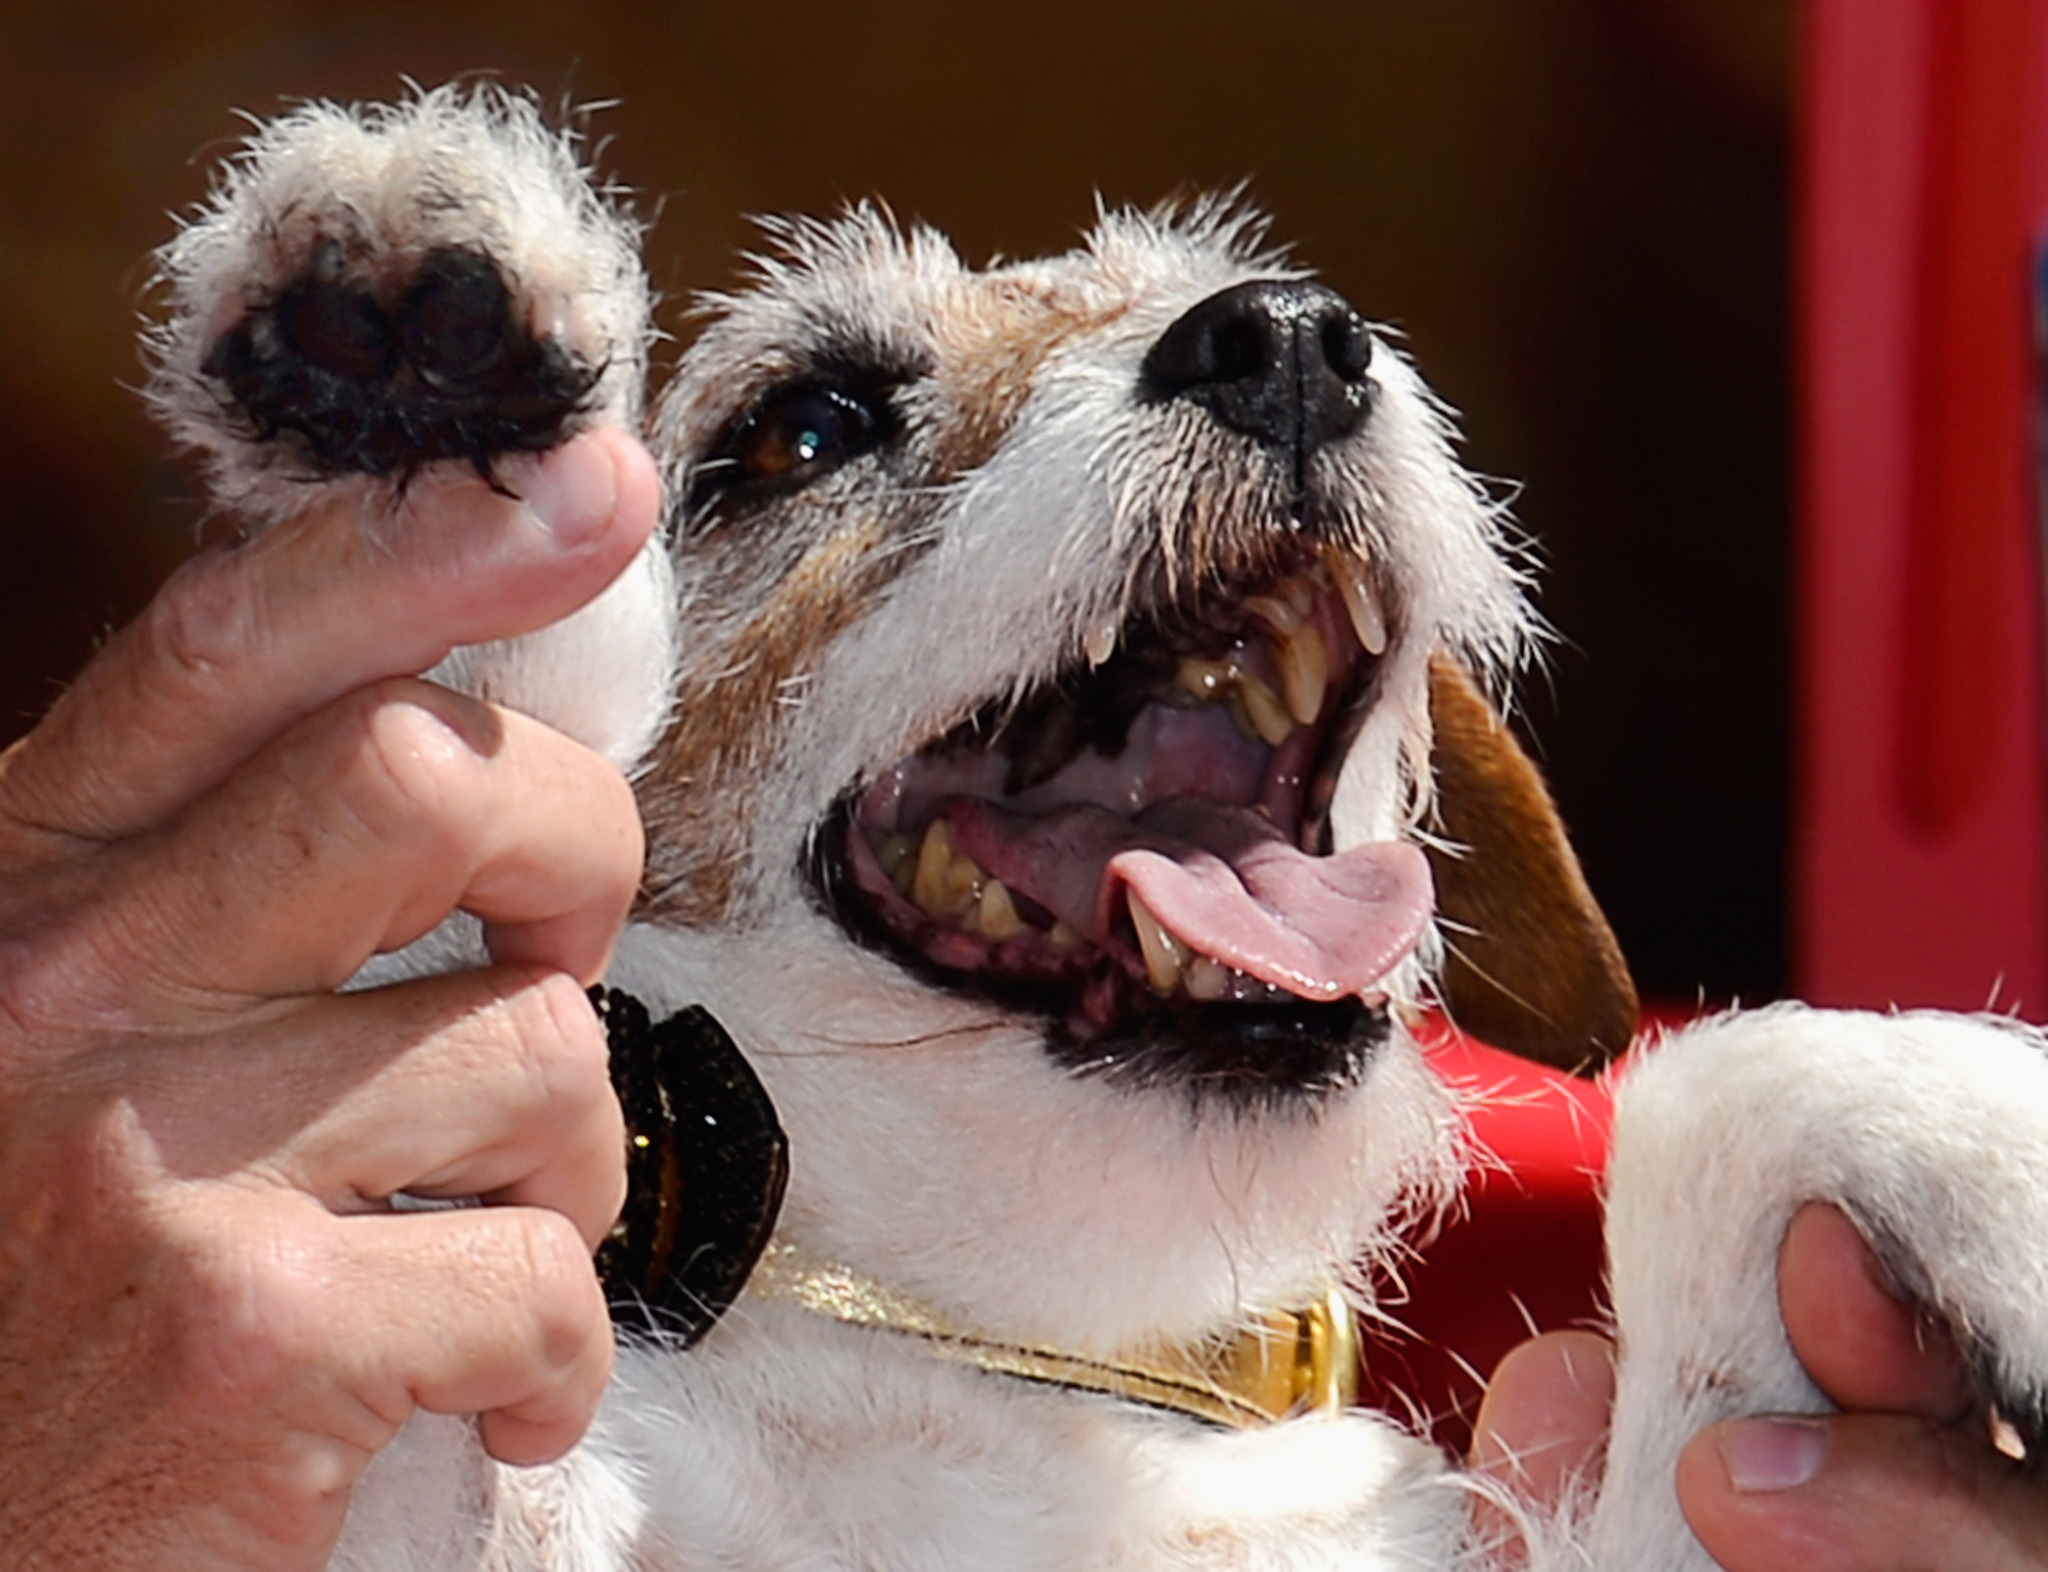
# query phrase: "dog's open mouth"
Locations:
[[1139, 849]]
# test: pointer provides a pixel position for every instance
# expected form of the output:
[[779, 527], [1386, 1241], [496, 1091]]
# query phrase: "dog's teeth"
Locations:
[[1262, 707], [1304, 664], [1100, 642], [1207, 980], [1361, 601], [1206, 680], [995, 915], [897, 853], [934, 861], [1061, 937], [946, 884], [1276, 611], [1165, 956]]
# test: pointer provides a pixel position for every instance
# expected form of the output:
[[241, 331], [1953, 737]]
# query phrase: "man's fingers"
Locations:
[[360, 830], [525, 1340], [1905, 1482], [492, 1084], [1543, 1423], [492, 1311], [510, 1101], [1859, 1493], [1863, 1342], [244, 642], [512, 1104]]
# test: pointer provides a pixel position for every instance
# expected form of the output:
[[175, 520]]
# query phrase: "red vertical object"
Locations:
[[1919, 848]]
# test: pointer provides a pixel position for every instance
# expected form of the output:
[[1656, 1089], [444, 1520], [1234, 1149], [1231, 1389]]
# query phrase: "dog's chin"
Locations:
[[936, 1147], [1296, 1053]]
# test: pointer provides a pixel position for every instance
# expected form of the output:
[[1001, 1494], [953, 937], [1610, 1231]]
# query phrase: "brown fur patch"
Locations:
[[1533, 967], [697, 797], [986, 369]]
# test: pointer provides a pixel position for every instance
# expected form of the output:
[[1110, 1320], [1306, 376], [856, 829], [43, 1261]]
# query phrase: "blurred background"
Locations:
[[1575, 211]]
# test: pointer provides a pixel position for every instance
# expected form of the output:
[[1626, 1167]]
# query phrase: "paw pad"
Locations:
[[445, 370]]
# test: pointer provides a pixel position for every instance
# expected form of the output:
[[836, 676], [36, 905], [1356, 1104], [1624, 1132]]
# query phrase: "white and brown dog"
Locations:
[[1054, 702]]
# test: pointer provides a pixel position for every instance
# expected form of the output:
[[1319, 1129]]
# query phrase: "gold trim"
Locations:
[[1288, 1363]]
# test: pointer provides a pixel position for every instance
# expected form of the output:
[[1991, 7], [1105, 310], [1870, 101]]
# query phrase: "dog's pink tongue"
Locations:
[[1222, 880], [1240, 892]]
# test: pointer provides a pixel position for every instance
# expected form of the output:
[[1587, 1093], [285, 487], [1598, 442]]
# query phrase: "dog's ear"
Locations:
[[1532, 966]]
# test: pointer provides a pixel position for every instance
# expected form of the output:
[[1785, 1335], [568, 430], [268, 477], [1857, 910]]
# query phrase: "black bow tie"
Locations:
[[706, 1162]]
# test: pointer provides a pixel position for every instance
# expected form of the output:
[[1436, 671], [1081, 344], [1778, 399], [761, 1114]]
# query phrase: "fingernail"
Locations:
[[1763, 1455], [574, 491]]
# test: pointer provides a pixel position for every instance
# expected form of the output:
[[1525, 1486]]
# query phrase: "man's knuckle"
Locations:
[[253, 1305], [409, 775], [567, 1045], [564, 1308], [204, 624], [549, 1061]]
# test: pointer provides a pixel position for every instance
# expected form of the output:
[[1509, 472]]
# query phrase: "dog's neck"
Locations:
[[1284, 1364]]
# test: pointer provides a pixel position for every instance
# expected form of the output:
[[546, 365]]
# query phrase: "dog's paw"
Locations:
[[372, 290], [1929, 1130]]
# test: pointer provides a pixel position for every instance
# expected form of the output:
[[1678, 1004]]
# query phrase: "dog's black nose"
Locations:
[[1281, 362]]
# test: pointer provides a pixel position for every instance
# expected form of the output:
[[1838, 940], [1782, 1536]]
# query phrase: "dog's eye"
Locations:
[[802, 433]]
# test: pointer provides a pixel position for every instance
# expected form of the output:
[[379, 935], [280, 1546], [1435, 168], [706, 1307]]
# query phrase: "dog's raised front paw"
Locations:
[[375, 290], [444, 371], [372, 290]]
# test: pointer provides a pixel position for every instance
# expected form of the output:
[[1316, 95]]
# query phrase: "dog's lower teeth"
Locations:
[[1166, 958], [950, 887], [946, 885], [995, 914], [897, 853], [1206, 980]]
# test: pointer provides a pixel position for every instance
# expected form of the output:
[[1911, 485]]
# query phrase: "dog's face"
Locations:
[[1054, 734]]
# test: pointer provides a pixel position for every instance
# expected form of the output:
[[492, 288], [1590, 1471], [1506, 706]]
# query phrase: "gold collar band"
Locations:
[[1289, 1363]]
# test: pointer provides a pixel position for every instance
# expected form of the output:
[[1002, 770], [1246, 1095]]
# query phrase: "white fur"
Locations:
[[933, 1144], [600, 675]]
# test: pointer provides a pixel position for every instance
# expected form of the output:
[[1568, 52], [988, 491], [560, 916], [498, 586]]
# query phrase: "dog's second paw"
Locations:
[[1929, 1130], [374, 290]]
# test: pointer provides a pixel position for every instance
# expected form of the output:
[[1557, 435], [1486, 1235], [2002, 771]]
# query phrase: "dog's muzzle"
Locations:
[[1139, 848]]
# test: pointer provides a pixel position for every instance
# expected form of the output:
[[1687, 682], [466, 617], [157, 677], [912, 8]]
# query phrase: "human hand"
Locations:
[[1905, 1479], [209, 1320]]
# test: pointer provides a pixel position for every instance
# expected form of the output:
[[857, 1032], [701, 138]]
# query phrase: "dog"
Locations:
[[1063, 709]]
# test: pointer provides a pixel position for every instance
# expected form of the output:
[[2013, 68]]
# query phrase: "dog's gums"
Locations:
[[1139, 850]]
